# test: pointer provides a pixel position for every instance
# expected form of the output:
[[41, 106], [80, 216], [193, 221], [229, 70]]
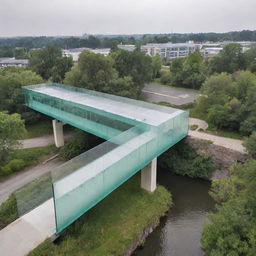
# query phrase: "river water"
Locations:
[[180, 231]]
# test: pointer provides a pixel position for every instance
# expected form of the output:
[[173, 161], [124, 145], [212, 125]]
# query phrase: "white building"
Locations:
[[75, 52], [12, 62], [170, 50], [127, 47], [210, 51], [246, 45]]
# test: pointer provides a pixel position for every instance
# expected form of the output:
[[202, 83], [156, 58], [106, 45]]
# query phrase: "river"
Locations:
[[180, 231]]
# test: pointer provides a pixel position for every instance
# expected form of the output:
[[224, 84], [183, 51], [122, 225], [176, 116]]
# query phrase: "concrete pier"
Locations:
[[148, 176], [58, 133]]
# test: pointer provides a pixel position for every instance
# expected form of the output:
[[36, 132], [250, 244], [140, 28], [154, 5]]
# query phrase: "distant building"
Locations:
[[75, 52], [246, 45], [127, 47], [104, 51], [7, 62], [170, 50], [210, 51]]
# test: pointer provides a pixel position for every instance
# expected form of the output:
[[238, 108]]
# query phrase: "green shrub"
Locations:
[[250, 144], [8, 211], [165, 77], [182, 159], [80, 143], [13, 166], [22, 158]]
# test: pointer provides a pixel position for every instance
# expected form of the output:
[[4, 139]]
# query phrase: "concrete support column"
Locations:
[[148, 176], [58, 133]]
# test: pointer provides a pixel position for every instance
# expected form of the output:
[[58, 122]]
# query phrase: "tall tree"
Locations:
[[229, 60], [156, 65], [11, 97], [193, 71], [135, 64], [49, 63], [11, 129]]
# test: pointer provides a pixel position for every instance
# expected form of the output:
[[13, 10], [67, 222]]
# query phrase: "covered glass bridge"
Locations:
[[136, 133]]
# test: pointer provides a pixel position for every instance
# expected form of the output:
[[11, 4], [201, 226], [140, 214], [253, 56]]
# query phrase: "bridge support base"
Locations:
[[148, 176], [58, 133]]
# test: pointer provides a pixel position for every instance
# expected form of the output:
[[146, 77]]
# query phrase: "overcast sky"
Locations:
[[76, 17]]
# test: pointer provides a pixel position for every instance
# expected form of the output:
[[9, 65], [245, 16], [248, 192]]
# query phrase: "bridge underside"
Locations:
[[136, 133]]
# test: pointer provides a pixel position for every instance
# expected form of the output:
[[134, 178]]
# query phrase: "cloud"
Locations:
[[76, 17]]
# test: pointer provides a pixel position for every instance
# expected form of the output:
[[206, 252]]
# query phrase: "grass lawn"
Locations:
[[111, 226], [25, 157], [41, 128], [225, 133]]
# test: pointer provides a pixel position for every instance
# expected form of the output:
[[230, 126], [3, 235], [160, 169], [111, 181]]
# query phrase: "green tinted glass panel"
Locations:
[[136, 132]]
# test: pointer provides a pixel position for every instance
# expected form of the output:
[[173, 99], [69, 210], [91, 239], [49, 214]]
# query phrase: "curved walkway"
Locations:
[[225, 142], [200, 123], [220, 141]]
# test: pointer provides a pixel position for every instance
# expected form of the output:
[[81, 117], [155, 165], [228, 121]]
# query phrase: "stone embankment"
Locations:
[[223, 157]]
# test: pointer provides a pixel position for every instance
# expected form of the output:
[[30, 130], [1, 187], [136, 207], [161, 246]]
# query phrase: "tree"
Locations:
[[176, 69], [229, 60], [250, 144], [62, 66], [97, 72], [11, 97], [94, 71], [11, 129], [156, 65], [49, 63], [232, 228], [250, 59], [229, 101], [193, 71], [135, 64], [188, 72]]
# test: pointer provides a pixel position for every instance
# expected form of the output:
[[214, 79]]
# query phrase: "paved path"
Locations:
[[158, 93], [42, 141], [220, 141], [28, 231], [200, 123], [20, 179]]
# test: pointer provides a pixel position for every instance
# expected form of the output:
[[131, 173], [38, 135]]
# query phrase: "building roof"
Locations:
[[165, 45], [12, 61]]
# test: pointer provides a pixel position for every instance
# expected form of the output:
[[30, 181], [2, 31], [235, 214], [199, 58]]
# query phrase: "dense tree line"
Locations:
[[109, 41]]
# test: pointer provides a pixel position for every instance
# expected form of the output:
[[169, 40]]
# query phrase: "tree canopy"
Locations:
[[123, 73], [229, 101], [49, 63], [229, 60], [11, 129], [188, 72], [232, 228], [11, 97]]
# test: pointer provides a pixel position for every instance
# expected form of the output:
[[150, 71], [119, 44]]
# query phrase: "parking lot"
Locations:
[[158, 93]]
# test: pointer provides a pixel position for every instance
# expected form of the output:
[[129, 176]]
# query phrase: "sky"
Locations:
[[77, 17]]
